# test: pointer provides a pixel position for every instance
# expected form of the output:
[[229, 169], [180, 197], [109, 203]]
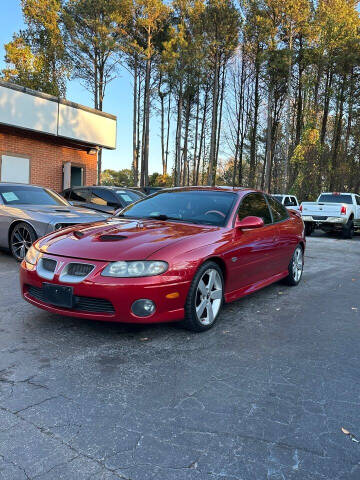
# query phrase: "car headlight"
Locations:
[[32, 256], [135, 269]]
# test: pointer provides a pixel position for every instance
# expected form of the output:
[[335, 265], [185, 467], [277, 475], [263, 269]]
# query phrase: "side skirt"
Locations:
[[242, 292]]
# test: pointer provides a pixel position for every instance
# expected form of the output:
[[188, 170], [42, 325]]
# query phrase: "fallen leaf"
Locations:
[[277, 309], [226, 331], [280, 293], [144, 339], [345, 431], [354, 308]]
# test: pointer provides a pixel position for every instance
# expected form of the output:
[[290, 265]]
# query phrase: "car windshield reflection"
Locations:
[[198, 207]]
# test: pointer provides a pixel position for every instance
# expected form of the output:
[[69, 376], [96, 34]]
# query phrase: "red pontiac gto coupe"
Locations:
[[176, 255]]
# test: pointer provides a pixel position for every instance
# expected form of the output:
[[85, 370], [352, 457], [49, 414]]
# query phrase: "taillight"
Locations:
[[300, 208], [343, 210]]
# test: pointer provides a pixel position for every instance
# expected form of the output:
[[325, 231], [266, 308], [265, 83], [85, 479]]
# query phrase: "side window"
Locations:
[[357, 199], [80, 195], [103, 197], [287, 202], [293, 199], [66, 194], [255, 205], [278, 211]]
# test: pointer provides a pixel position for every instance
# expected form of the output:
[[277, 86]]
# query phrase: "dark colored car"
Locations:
[[178, 254], [148, 190], [102, 198]]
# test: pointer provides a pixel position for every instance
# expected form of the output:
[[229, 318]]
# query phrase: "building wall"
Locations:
[[47, 158]]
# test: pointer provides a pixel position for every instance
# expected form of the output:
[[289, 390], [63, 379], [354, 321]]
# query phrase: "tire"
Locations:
[[308, 229], [296, 267], [202, 307], [348, 229], [22, 236]]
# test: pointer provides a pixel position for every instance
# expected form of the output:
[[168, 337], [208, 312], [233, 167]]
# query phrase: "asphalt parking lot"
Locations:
[[263, 395]]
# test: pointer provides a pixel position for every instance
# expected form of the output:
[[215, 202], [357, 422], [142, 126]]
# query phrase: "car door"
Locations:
[[252, 256], [287, 234]]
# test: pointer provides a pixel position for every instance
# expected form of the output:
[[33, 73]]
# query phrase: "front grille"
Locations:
[[79, 269], [81, 304], [48, 264]]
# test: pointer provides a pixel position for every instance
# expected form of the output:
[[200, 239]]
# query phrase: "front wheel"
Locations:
[[205, 298], [22, 237], [296, 267]]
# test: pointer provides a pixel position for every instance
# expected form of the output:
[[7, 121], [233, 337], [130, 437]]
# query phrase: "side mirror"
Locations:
[[249, 222]]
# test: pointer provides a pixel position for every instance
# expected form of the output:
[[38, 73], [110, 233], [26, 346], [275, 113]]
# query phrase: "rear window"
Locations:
[[331, 198], [127, 196]]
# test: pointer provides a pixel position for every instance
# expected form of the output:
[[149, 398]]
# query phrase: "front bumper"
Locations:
[[120, 292]]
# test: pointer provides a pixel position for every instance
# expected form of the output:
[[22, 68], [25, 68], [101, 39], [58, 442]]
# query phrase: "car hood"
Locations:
[[119, 239], [65, 213]]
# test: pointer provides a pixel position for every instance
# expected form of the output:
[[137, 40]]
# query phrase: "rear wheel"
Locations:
[[22, 236], [296, 267], [308, 229], [205, 298], [348, 229]]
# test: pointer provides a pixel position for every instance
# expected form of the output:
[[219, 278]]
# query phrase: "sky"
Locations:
[[118, 99]]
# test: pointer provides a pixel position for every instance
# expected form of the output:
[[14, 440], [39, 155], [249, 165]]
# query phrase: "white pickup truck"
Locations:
[[332, 212], [289, 201]]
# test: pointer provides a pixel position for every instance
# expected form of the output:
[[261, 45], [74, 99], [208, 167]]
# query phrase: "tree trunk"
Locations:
[[196, 134], [253, 140], [214, 119], [334, 179], [288, 118], [202, 135], [146, 120], [178, 139], [267, 179], [186, 135], [167, 135], [135, 166]]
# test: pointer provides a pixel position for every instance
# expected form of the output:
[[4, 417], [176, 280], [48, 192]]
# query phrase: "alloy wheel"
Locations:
[[21, 241], [297, 265], [208, 297]]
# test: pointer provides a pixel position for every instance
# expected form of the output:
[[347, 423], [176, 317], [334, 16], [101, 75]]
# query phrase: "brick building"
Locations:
[[50, 141]]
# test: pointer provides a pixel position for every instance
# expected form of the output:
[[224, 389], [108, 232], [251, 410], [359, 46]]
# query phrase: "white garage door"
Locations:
[[15, 169]]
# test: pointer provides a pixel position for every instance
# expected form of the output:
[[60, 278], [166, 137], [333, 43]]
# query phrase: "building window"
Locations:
[[15, 169]]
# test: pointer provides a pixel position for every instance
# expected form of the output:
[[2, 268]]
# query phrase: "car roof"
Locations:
[[218, 189]]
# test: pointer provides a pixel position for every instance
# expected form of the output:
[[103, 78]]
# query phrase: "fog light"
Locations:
[[143, 307]]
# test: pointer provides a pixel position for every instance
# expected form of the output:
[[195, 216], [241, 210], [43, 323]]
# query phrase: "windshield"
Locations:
[[204, 207], [128, 196], [26, 195], [335, 198]]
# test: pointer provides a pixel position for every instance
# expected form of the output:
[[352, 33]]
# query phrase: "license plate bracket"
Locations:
[[59, 295]]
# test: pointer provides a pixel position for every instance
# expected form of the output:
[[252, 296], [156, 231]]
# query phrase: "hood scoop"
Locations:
[[111, 238], [78, 234]]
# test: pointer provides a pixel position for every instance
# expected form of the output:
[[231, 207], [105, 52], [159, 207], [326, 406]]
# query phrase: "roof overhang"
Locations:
[[30, 110]]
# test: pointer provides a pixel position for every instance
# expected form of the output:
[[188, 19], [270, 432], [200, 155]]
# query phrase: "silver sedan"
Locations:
[[28, 212]]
